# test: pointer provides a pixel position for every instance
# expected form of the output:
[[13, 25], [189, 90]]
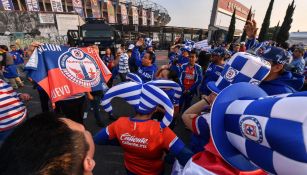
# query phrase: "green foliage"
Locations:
[[283, 34], [275, 33], [263, 35], [232, 28]]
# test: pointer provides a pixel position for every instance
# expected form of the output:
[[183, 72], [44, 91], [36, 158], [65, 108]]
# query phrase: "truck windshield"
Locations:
[[97, 34]]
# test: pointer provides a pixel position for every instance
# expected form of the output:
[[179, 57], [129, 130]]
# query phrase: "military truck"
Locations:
[[95, 32]]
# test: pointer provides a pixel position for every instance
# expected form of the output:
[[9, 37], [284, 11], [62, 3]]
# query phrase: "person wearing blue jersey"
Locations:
[[149, 48], [146, 68], [184, 57], [190, 78], [298, 63], [214, 69], [174, 53], [18, 54], [279, 81], [8, 68]]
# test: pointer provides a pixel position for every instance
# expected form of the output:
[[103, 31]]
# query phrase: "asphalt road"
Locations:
[[109, 159]]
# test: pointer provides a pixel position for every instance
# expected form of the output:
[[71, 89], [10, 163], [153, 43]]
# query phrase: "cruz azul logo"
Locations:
[[80, 68], [231, 74], [251, 129], [131, 140]]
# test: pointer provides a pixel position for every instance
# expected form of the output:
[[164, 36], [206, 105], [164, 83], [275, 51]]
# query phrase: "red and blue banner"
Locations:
[[64, 71]]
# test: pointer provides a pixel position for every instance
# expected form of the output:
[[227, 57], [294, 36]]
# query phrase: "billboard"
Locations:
[[32, 5], [144, 17], [95, 9], [124, 14], [63, 19], [152, 18], [111, 12], [135, 15], [56, 6], [77, 4], [7, 5], [46, 18], [227, 7]]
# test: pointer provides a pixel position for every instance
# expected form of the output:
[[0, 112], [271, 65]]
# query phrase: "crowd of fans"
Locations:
[[58, 143]]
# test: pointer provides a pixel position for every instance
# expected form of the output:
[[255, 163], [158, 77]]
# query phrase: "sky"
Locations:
[[197, 13]]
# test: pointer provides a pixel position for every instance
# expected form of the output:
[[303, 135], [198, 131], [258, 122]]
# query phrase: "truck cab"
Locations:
[[95, 32]]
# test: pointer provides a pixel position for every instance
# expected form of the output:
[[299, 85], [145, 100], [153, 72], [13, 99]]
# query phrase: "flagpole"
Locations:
[[44, 5], [66, 9], [19, 5], [85, 1]]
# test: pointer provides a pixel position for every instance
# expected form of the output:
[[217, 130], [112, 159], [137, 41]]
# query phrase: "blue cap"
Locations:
[[220, 51], [277, 55]]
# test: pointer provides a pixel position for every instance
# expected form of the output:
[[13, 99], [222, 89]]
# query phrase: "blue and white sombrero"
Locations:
[[165, 85], [148, 42], [143, 97], [252, 131], [242, 67], [189, 45]]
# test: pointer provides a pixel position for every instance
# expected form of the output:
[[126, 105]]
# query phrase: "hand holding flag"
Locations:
[[63, 71]]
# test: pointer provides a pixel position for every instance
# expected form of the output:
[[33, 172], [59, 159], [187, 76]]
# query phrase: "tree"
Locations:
[[276, 30], [249, 17], [266, 23], [283, 34], [232, 27]]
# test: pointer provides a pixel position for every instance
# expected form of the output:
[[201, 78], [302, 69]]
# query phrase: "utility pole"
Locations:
[[213, 19]]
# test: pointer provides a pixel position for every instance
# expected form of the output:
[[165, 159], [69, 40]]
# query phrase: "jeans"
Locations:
[[4, 134], [20, 70], [95, 104], [72, 109], [44, 99], [185, 101]]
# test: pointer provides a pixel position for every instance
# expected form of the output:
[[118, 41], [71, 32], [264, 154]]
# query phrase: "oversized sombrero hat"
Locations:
[[242, 67], [143, 97], [251, 130]]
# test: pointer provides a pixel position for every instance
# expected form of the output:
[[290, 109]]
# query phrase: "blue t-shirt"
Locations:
[[146, 73], [288, 82], [18, 56], [298, 65]]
